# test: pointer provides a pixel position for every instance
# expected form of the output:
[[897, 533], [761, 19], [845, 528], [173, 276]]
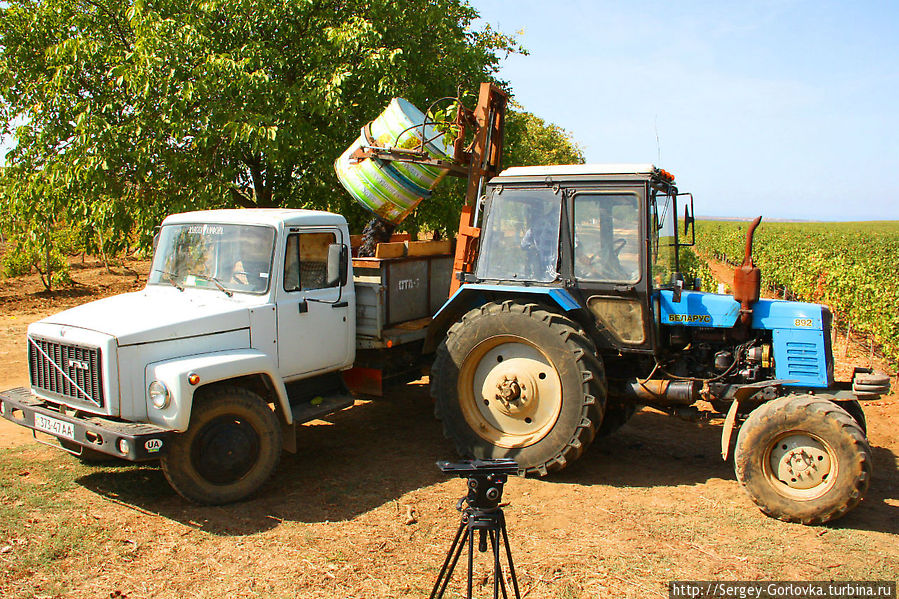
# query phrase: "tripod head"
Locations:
[[485, 480]]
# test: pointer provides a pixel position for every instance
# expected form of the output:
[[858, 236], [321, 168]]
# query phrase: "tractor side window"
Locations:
[[664, 249], [607, 237], [306, 261], [520, 240]]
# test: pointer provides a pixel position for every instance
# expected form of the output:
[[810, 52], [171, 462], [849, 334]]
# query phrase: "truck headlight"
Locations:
[[159, 394]]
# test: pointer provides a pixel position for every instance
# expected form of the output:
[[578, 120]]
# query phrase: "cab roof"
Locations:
[[258, 216], [641, 170]]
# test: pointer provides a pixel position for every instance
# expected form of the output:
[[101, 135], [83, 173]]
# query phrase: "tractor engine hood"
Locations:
[[157, 313]]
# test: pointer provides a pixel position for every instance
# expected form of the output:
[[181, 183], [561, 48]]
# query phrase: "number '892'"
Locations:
[[803, 322]]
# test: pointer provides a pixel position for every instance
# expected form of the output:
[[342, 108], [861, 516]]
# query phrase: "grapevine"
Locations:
[[851, 267]]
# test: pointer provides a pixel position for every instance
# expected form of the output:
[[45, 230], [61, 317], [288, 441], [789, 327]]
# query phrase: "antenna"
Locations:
[[658, 143]]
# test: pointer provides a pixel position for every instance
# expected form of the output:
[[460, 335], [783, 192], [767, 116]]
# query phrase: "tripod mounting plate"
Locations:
[[468, 468]]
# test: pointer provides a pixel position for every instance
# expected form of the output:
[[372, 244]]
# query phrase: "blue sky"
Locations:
[[788, 109]]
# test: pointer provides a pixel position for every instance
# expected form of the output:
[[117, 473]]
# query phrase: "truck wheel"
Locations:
[[230, 448], [517, 381], [803, 459]]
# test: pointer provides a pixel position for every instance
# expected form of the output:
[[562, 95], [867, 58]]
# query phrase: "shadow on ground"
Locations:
[[361, 458], [875, 513], [350, 463]]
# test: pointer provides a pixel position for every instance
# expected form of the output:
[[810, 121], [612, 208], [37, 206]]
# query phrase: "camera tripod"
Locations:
[[483, 517]]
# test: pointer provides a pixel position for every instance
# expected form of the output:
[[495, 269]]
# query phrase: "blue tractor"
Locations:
[[574, 312]]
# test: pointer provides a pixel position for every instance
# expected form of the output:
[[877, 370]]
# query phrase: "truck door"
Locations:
[[313, 329]]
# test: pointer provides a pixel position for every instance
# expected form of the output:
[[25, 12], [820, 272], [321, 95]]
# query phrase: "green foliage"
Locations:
[[136, 109], [28, 256], [692, 266], [851, 267], [532, 141], [17, 263]]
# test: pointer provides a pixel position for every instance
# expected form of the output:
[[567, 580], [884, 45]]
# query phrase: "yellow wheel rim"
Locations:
[[509, 391], [800, 465]]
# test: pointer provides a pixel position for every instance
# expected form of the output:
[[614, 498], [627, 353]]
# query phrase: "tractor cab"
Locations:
[[606, 234]]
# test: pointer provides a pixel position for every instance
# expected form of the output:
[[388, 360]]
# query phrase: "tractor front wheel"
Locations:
[[515, 380], [803, 459]]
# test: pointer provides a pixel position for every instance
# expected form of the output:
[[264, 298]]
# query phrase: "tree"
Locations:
[[532, 141], [167, 105]]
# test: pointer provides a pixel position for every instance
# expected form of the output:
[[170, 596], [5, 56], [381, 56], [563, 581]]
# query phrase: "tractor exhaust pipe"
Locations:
[[748, 279]]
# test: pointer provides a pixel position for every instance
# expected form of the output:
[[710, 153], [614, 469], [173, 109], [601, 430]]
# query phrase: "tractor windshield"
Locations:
[[520, 240], [664, 240]]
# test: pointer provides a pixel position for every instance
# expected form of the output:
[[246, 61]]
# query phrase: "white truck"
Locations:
[[250, 323]]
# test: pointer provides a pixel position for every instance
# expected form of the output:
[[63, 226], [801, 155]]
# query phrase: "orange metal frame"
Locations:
[[484, 162]]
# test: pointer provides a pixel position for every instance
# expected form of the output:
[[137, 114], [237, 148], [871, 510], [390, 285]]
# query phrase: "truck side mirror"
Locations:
[[337, 265]]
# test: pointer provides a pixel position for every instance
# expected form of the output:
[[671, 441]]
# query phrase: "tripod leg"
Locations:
[[497, 568], [449, 564], [470, 560], [509, 558]]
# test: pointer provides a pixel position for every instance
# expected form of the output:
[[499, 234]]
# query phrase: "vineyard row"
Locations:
[[851, 267]]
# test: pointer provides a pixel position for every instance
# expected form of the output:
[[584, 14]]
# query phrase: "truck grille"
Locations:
[[67, 371]]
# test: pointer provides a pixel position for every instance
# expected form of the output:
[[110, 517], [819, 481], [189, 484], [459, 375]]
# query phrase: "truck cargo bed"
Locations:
[[396, 297]]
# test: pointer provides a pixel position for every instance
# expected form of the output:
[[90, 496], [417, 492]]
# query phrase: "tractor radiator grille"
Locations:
[[66, 371], [802, 359]]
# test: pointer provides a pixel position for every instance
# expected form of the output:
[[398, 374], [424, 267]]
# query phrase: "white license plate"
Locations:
[[54, 426]]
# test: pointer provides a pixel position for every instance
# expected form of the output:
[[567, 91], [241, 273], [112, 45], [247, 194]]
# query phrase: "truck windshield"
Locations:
[[521, 236], [232, 258], [664, 247]]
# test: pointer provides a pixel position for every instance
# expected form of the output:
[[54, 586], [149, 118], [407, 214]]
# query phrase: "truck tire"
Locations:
[[230, 448], [514, 380], [803, 459]]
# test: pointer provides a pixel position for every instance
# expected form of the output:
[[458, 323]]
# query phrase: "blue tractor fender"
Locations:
[[474, 295]]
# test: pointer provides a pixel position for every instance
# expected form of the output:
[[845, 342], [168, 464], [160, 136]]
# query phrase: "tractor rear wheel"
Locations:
[[803, 459], [515, 380]]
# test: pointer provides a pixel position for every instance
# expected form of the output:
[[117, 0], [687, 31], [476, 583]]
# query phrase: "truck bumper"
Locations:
[[133, 441]]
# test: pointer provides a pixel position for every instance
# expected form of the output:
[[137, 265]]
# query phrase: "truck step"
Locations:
[[320, 406]]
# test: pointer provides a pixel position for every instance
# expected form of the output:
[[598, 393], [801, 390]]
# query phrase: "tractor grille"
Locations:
[[67, 371], [802, 359]]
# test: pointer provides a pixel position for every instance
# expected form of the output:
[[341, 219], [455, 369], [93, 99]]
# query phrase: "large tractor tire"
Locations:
[[231, 447], [515, 380], [803, 459]]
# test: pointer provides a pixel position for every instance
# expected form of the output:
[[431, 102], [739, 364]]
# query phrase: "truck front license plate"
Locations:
[[54, 427]]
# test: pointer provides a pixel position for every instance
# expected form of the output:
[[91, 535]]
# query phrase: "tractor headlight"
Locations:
[[159, 394]]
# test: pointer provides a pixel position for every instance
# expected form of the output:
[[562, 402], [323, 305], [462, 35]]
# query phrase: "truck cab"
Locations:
[[245, 323]]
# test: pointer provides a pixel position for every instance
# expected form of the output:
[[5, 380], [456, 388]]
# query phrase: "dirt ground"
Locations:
[[362, 511]]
